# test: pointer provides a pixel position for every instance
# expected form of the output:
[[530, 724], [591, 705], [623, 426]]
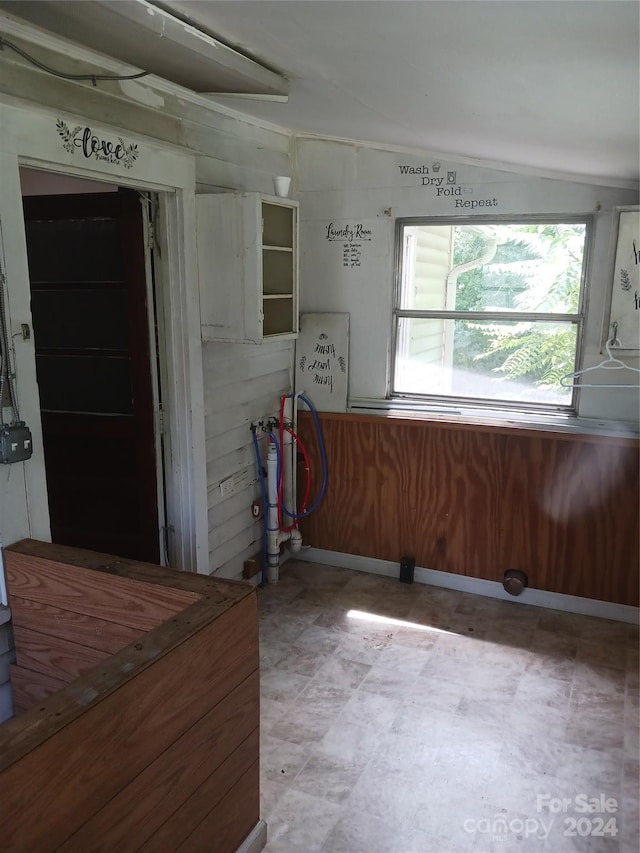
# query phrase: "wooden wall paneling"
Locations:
[[152, 797], [616, 509], [187, 831], [393, 492], [61, 659], [123, 600], [349, 516], [610, 517], [448, 480], [477, 500], [578, 516], [31, 687], [125, 730], [536, 507], [88, 631], [525, 538], [232, 819], [390, 485]]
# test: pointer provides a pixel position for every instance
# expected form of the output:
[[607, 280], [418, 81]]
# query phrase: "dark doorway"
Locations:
[[89, 303]]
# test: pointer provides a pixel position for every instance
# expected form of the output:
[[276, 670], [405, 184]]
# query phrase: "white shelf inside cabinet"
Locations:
[[247, 266]]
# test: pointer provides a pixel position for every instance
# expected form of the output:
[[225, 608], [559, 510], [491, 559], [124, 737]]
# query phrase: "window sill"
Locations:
[[518, 421]]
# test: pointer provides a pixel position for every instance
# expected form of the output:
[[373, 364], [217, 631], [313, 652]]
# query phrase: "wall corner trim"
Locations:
[[256, 840]]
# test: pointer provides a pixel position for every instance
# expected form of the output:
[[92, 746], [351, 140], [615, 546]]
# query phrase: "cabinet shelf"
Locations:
[[247, 266]]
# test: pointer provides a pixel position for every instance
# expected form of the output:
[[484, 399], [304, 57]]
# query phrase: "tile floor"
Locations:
[[472, 728]]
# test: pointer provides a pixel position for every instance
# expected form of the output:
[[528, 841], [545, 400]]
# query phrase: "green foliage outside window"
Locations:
[[515, 280]]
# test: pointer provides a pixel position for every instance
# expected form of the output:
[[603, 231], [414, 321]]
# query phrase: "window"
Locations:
[[489, 312]]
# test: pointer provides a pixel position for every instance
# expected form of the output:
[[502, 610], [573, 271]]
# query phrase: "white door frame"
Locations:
[[30, 137]]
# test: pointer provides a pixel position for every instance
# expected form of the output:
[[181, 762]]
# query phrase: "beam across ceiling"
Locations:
[[150, 38]]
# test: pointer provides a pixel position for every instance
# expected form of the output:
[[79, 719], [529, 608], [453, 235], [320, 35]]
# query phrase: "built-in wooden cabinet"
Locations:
[[137, 691], [247, 266]]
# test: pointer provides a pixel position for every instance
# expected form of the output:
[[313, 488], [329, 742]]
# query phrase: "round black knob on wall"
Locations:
[[515, 581]]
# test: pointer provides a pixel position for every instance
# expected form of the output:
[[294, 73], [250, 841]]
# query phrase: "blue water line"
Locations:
[[323, 457]]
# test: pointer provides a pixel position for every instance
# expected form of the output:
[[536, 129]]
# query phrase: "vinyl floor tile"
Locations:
[[433, 728]]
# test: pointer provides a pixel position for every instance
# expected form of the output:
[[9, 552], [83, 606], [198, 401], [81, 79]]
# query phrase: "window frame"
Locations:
[[398, 313]]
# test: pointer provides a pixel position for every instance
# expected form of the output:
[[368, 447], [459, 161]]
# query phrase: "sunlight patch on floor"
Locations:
[[398, 623]]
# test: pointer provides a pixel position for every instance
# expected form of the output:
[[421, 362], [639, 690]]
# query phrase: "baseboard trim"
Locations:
[[491, 589], [256, 840]]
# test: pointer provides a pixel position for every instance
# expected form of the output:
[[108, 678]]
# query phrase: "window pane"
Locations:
[[507, 360], [525, 267]]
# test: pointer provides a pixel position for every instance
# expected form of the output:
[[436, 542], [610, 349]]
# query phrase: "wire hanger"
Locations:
[[609, 363]]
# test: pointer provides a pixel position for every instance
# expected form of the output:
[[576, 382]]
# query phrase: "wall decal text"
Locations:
[[90, 145], [348, 232], [348, 235]]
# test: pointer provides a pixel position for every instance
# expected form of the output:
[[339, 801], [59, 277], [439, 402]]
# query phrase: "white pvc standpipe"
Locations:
[[273, 529], [275, 536]]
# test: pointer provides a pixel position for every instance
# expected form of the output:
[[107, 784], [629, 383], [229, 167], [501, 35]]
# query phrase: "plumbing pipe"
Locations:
[[294, 479], [295, 542], [281, 474], [275, 536], [297, 516], [273, 528]]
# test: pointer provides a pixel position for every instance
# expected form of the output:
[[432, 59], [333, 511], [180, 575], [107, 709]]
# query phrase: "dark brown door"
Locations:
[[90, 317]]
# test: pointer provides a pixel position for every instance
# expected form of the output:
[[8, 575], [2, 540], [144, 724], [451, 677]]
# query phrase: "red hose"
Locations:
[[281, 478], [307, 467]]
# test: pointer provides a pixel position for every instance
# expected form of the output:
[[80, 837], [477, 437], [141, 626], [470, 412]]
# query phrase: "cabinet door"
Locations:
[[247, 266], [221, 261]]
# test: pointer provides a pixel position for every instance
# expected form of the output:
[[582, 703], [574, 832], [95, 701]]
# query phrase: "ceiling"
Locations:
[[550, 86], [143, 34]]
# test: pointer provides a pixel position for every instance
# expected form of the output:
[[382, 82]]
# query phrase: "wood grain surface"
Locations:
[[122, 600], [53, 656], [476, 501], [205, 835], [232, 818], [216, 590], [152, 797], [151, 738], [67, 625], [31, 687], [82, 767]]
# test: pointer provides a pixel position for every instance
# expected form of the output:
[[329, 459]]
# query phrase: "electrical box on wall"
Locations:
[[16, 444]]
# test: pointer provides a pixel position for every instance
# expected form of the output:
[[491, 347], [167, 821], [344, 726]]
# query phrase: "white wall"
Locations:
[[244, 384], [237, 384], [350, 195], [340, 186]]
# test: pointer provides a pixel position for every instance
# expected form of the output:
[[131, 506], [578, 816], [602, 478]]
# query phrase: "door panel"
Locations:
[[89, 306]]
